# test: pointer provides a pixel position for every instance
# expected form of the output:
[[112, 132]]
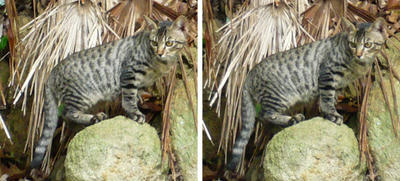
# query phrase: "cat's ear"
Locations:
[[151, 24], [181, 24], [379, 25], [348, 26]]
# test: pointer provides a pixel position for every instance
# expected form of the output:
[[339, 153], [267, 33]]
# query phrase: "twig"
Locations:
[[361, 12], [385, 95], [3, 124], [395, 126], [165, 138], [363, 124], [207, 132], [172, 163], [165, 10], [3, 98], [189, 95]]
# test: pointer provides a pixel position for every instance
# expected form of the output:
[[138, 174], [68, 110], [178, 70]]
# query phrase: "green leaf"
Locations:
[[60, 109], [3, 42], [258, 109]]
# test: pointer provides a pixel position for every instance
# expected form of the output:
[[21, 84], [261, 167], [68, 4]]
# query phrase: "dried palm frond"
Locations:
[[299, 5], [165, 135], [354, 12], [2, 96], [12, 33], [4, 126], [210, 39], [393, 5], [161, 10], [317, 18], [126, 17], [107, 5], [363, 141], [62, 29], [251, 36]]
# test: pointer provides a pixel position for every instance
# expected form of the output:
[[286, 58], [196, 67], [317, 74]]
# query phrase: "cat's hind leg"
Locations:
[[274, 106], [80, 117], [280, 119]]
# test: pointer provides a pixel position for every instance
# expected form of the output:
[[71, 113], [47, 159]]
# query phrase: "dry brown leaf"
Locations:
[[126, 18], [317, 20], [393, 5]]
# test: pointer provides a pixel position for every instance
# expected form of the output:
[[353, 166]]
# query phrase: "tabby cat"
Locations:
[[302, 74], [107, 71]]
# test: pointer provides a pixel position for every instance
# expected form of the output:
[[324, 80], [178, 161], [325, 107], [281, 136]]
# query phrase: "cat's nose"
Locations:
[[359, 53], [160, 52]]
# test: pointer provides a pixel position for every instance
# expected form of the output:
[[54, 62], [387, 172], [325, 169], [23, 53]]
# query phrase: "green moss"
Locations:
[[316, 149], [384, 145], [115, 147], [183, 129]]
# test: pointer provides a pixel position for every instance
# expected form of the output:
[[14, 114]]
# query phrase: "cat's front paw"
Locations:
[[296, 119], [138, 117], [98, 117], [335, 117]]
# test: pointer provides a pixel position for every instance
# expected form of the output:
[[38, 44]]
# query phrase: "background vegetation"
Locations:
[[240, 33], [42, 33]]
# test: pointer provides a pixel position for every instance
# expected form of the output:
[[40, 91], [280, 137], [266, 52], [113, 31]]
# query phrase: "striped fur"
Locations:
[[105, 72], [303, 74]]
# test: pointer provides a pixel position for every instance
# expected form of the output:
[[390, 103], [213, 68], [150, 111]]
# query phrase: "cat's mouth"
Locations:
[[167, 56], [167, 59], [366, 59]]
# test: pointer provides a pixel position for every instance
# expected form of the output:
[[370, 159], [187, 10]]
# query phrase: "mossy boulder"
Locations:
[[384, 145], [115, 149], [183, 129], [316, 149]]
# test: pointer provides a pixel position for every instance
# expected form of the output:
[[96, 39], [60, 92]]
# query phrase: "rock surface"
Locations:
[[384, 146], [183, 129], [316, 149], [115, 149]]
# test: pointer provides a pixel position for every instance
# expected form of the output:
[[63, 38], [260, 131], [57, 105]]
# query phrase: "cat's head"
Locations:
[[367, 39], [167, 39]]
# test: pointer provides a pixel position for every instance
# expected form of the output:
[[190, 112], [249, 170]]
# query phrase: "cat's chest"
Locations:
[[158, 69], [354, 72], [150, 77], [152, 74]]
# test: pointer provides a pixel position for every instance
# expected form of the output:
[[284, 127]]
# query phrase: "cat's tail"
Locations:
[[50, 109], [248, 121]]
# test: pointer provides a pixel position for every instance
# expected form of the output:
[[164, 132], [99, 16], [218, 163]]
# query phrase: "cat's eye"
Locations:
[[153, 43], [353, 45], [368, 45], [169, 43]]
